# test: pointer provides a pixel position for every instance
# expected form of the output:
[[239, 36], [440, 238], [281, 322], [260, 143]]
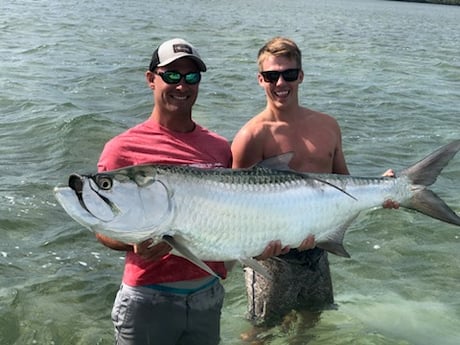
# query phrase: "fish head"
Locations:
[[129, 204]]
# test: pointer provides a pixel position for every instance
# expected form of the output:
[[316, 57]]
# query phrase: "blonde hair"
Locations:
[[280, 46]]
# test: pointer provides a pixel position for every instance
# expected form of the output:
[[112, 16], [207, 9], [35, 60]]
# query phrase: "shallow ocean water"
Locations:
[[72, 78]]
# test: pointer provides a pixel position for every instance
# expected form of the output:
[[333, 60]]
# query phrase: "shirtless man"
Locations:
[[301, 280]]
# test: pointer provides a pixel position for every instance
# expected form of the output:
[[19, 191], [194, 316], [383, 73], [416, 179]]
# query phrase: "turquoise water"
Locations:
[[71, 77]]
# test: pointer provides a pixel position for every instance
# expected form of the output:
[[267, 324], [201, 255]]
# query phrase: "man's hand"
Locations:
[[308, 243], [151, 253], [389, 173], [390, 203], [275, 248]]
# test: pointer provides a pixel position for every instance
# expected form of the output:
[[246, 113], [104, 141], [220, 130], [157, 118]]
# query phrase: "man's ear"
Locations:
[[301, 76], [150, 78], [260, 79]]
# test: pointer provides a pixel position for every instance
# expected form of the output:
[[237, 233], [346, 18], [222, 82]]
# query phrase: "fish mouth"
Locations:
[[77, 182]]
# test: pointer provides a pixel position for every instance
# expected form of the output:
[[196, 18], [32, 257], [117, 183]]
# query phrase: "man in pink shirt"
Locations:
[[164, 299]]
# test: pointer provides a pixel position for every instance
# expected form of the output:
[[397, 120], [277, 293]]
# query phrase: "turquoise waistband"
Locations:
[[180, 291]]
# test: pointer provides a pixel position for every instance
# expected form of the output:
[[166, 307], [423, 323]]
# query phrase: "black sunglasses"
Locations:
[[288, 75], [174, 77]]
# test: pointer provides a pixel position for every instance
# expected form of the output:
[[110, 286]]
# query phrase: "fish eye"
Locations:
[[104, 182]]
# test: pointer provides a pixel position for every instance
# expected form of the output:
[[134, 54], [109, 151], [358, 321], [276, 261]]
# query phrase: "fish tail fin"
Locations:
[[427, 202], [424, 173]]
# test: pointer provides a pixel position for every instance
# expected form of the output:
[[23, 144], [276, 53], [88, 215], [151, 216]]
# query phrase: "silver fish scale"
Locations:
[[239, 218], [254, 176]]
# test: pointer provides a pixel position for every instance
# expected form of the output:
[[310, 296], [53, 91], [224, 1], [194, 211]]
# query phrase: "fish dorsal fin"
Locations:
[[186, 253], [279, 162]]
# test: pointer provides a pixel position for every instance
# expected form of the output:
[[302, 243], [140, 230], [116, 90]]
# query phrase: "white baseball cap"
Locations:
[[174, 49]]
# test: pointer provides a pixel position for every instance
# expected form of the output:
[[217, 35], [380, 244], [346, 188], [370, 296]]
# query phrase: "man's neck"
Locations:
[[174, 122], [284, 114]]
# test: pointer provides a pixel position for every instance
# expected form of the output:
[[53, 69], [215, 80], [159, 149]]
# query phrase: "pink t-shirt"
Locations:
[[150, 143]]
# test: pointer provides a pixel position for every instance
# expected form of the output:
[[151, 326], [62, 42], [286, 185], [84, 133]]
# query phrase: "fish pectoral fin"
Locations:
[[186, 253], [229, 265], [334, 242], [254, 264]]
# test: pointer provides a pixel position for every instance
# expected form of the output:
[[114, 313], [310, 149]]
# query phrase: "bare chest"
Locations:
[[313, 150]]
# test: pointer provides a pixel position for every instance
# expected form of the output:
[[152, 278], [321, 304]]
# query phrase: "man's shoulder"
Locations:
[[125, 138], [258, 123], [319, 118], [315, 113]]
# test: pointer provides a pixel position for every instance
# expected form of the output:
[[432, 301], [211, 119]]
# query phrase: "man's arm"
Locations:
[[339, 165], [114, 244], [144, 249], [247, 149]]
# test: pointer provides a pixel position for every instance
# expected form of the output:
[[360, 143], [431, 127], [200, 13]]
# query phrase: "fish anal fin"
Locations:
[[333, 243], [334, 248], [186, 253]]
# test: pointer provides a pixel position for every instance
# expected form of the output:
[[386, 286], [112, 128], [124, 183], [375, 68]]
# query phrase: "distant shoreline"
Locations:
[[439, 2]]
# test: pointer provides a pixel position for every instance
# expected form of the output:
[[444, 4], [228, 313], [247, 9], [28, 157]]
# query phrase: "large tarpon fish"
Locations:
[[226, 215]]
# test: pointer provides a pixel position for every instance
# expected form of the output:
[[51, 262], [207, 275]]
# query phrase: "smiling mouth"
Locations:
[[180, 97], [282, 94]]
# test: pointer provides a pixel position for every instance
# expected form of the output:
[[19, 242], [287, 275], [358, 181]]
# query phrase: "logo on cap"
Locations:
[[182, 48]]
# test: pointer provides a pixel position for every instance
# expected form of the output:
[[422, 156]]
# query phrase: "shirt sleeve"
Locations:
[[113, 157]]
